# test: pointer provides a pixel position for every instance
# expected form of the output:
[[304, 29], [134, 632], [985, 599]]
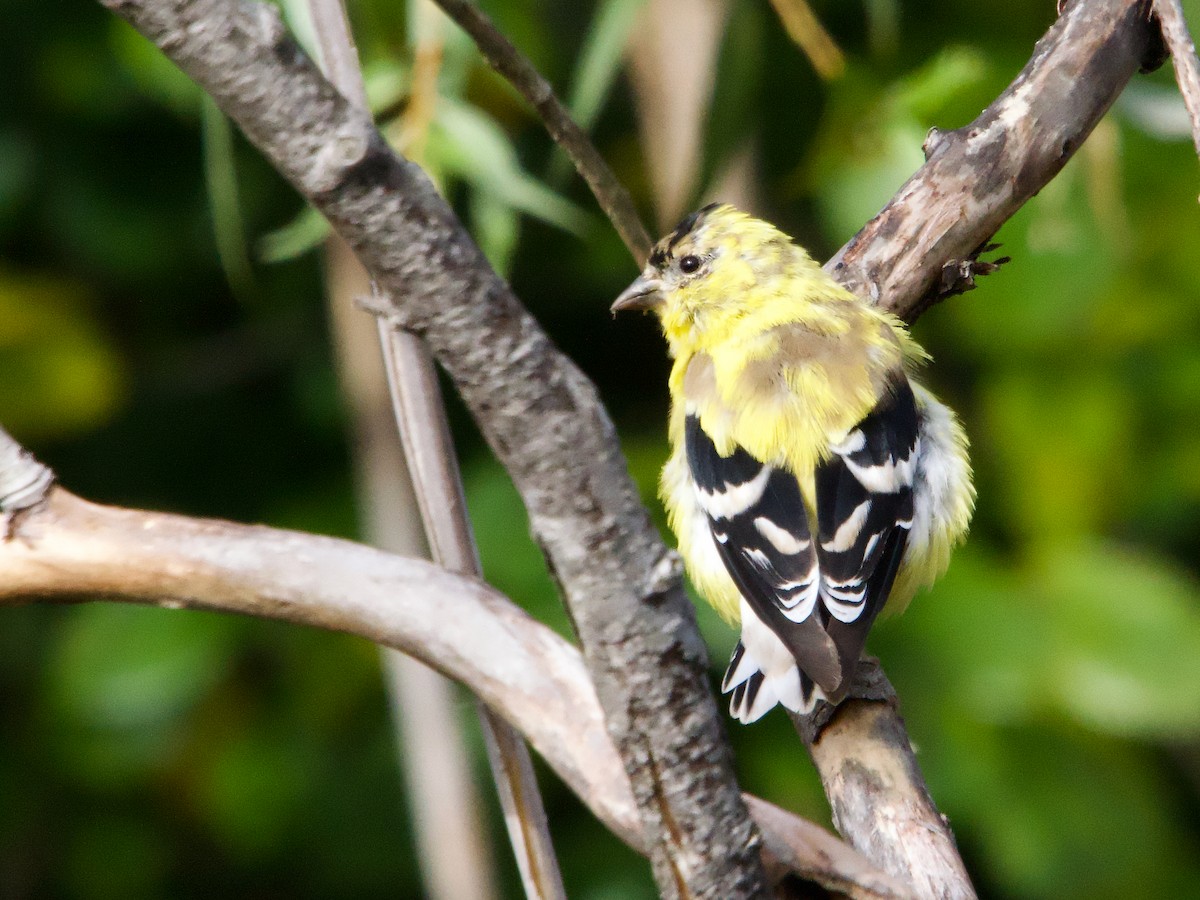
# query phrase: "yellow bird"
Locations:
[[811, 479]]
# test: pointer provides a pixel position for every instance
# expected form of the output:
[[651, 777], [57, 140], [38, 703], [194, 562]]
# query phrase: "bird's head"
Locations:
[[717, 266]]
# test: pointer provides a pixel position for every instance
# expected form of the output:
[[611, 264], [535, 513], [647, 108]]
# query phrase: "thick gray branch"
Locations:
[[977, 176], [67, 549], [536, 409]]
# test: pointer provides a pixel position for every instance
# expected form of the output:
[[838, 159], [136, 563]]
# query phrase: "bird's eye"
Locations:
[[689, 264]]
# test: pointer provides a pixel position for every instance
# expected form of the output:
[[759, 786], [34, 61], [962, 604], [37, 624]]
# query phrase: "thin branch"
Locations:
[[433, 467], [446, 809], [453, 848], [974, 179], [65, 549], [529, 83], [803, 27], [1183, 56], [977, 176], [417, 403]]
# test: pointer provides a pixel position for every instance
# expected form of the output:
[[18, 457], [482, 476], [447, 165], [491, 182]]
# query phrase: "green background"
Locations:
[[164, 345]]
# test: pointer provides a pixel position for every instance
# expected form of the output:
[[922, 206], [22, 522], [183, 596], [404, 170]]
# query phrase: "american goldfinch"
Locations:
[[811, 479]]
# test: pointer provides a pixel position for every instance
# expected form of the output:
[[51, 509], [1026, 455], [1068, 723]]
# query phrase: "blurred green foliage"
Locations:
[[163, 344]]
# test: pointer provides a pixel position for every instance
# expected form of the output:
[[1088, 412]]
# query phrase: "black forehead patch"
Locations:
[[683, 229], [663, 250]]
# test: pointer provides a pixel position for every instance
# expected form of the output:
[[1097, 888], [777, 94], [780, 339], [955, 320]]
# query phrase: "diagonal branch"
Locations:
[[64, 549], [538, 412], [974, 180], [977, 176]]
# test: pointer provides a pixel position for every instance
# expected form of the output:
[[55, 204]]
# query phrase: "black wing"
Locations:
[[757, 518], [864, 500], [818, 596]]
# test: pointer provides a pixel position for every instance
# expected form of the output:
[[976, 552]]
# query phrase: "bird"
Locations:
[[811, 479]]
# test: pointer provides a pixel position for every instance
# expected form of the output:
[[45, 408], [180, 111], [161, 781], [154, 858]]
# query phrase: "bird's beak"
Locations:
[[645, 293]]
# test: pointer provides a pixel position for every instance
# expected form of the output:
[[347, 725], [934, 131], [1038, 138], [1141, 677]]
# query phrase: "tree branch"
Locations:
[[975, 179], [977, 176], [876, 789], [64, 549], [538, 412], [1183, 56]]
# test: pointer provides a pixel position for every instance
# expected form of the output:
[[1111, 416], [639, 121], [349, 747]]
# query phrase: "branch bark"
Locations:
[[977, 176], [876, 790], [621, 585], [974, 179], [64, 549]]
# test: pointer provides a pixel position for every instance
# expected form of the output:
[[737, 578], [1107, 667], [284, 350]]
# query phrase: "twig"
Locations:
[[1183, 57], [521, 74], [433, 467], [66, 549], [417, 401], [453, 848]]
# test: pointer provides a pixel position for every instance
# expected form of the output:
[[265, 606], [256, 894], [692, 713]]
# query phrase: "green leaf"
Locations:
[[386, 82], [220, 177], [302, 234], [496, 228], [601, 58], [254, 789], [1156, 109], [299, 22], [1088, 633], [153, 73], [1125, 633], [951, 73], [473, 146], [1076, 483], [599, 65]]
